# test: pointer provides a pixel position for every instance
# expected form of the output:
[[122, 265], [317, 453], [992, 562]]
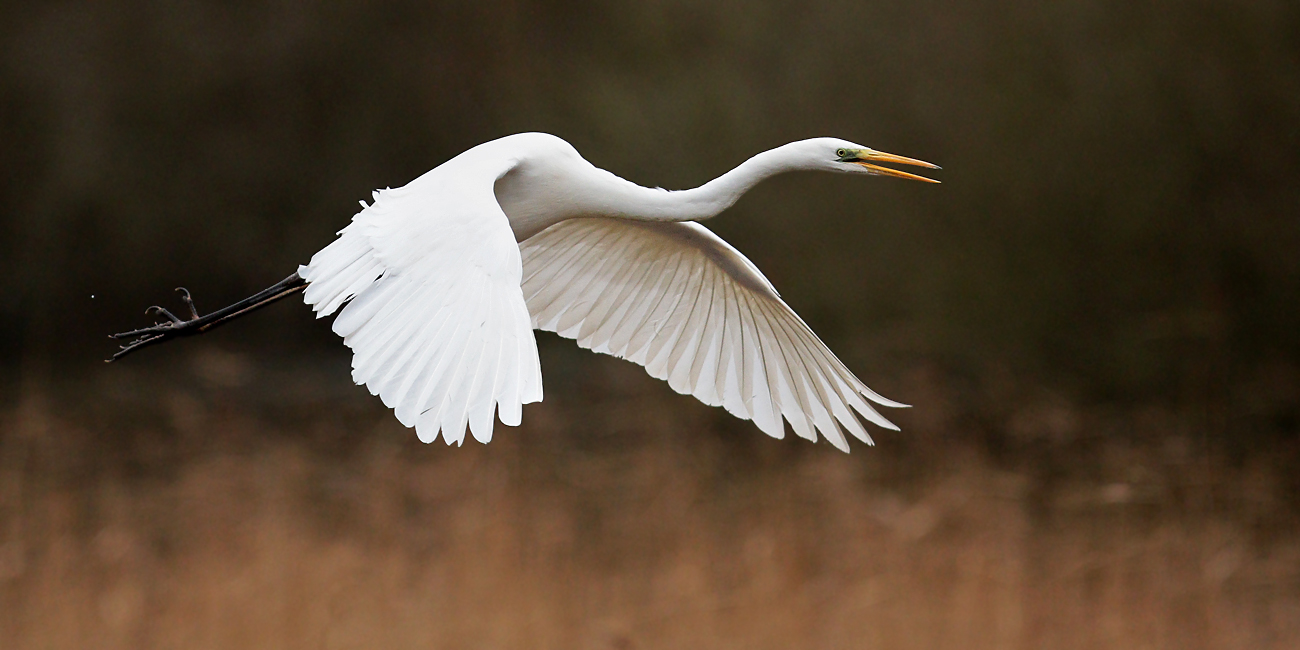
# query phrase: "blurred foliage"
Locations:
[[229, 502], [1118, 214]]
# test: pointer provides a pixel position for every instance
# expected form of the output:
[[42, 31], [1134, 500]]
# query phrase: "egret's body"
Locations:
[[439, 284]]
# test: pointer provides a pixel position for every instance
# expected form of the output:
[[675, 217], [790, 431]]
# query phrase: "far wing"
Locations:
[[436, 321], [677, 299]]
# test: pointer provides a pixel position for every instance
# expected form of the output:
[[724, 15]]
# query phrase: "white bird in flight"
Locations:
[[442, 282]]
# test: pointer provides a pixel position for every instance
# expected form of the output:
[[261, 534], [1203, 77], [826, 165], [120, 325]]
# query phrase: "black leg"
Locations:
[[175, 327]]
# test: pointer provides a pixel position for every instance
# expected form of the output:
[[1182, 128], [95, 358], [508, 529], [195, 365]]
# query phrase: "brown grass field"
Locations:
[[251, 508]]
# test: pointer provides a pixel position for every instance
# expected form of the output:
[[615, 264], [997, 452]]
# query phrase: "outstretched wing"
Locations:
[[430, 274], [677, 299]]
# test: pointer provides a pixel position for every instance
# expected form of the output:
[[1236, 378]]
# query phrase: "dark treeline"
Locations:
[[1118, 215]]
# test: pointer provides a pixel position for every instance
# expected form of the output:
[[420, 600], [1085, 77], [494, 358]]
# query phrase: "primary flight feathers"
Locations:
[[677, 299]]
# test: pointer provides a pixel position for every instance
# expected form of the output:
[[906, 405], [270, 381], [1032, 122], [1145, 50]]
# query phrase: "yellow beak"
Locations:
[[866, 157]]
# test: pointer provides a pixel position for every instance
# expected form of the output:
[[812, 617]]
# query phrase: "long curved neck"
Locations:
[[628, 200]]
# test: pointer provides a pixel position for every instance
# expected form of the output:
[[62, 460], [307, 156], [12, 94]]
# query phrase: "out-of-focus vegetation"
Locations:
[[242, 504], [1095, 315]]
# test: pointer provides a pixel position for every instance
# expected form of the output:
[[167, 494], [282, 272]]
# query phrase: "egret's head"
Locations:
[[843, 156]]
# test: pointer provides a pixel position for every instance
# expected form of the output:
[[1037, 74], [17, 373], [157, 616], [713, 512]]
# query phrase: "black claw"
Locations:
[[159, 310], [189, 302]]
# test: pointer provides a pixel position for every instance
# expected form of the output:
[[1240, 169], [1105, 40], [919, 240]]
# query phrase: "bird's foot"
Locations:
[[160, 332], [174, 327]]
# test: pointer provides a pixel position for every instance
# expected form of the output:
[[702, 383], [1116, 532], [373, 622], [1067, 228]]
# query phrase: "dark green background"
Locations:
[[1118, 217]]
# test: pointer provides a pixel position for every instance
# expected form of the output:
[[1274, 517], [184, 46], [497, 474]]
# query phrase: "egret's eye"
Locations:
[[841, 153]]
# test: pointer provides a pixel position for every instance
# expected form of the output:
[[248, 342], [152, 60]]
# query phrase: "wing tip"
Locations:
[[877, 398], [840, 444]]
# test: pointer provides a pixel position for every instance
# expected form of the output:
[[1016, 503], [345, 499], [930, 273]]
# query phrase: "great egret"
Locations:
[[442, 282]]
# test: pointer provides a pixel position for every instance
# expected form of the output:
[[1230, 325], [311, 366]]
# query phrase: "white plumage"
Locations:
[[441, 283], [436, 319]]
